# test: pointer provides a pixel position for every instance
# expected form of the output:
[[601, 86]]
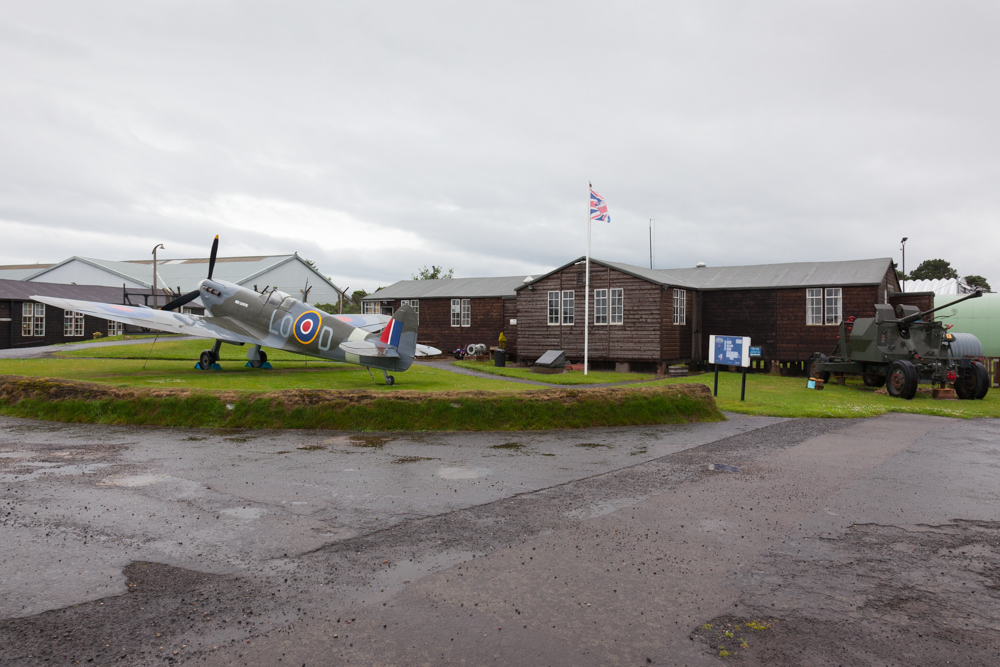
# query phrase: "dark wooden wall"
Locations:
[[922, 300], [647, 332], [54, 327], [489, 318]]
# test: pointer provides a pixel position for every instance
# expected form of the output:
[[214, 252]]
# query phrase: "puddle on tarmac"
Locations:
[[17, 455], [311, 448], [249, 513], [592, 445], [131, 480], [513, 446], [412, 459], [370, 441], [458, 472]]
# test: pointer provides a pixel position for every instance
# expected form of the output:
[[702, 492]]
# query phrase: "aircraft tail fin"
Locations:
[[401, 333]]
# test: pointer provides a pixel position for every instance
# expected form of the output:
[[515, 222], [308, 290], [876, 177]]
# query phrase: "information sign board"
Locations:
[[729, 350], [754, 351]]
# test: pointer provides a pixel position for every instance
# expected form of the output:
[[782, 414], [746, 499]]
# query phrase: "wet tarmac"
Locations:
[[841, 542]]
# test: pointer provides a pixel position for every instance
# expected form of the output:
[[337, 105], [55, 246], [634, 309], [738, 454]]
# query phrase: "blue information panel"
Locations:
[[729, 350], [754, 351]]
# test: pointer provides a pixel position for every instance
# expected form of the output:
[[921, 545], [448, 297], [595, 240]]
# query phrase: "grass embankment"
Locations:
[[568, 378], [95, 403], [788, 397]]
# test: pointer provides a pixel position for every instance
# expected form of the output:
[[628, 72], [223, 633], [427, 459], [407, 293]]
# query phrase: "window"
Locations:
[[32, 319], [814, 306], [617, 305], [115, 328], [833, 305], [680, 306], [600, 306], [371, 308], [466, 313], [553, 307], [568, 306], [456, 312], [72, 323]]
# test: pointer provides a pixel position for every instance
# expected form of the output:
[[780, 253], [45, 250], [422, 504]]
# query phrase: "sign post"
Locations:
[[731, 351]]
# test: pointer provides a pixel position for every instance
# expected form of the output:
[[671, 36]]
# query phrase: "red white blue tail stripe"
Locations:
[[392, 332], [598, 208]]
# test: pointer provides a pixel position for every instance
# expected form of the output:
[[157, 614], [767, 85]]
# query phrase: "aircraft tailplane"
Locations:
[[401, 333]]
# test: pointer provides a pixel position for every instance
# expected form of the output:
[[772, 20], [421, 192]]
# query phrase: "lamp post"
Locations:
[[902, 245], [156, 297]]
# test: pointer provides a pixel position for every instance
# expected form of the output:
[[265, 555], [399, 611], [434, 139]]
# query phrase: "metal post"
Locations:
[[902, 245], [156, 300], [715, 392], [586, 299], [743, 388]]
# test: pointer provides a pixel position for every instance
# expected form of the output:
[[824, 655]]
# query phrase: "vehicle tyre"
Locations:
[[965, 383], [259, 362], [982, 381], [390, 380], [901, 380], [812, 367], [873, 379], [206, 360]]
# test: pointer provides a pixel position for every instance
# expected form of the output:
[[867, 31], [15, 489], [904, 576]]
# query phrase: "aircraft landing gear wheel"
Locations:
[[873, 380], [259, 362], [812, 367], [901, 380], [206, 360], [389, 380]]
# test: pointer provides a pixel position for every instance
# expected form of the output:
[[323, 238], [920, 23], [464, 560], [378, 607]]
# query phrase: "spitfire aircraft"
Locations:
[[240, 316]]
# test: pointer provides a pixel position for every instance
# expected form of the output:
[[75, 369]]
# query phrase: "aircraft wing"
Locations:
[[162, 320], [369, 323]]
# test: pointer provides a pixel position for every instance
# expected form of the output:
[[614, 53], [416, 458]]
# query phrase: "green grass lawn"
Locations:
[[109, 339], [168, 348], [235, 376], [788, 397], [569, 377]]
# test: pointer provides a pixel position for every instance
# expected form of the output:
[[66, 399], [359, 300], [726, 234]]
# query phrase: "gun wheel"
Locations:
[[873, 380], [901, 380], [812, 368]]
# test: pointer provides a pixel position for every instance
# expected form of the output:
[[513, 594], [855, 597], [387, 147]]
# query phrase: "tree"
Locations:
[[433, 273], [933, 269], [977, 281]]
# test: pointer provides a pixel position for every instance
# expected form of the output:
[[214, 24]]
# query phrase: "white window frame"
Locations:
[[617, 314], [568, 309], [814, 306], [466, 312], [32, 319], [833, 305], [680, 306], [554, 307], [72, 323], [115, 328], [600, 307], [370, 308], [456, 312]]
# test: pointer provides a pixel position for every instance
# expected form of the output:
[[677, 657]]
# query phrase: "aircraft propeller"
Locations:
[[191, 296]]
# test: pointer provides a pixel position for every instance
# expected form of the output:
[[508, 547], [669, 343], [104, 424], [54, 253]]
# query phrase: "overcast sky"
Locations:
[[377, 137]]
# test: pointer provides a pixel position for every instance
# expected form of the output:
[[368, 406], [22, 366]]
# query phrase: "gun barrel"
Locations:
[[916, 316]]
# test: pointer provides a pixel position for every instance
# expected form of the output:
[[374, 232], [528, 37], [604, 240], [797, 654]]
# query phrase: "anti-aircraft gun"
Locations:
[[900, 349]]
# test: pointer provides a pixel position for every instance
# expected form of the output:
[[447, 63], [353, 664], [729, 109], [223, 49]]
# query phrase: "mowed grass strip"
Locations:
[[170, 348], [61, 400], [235, 376], [567, 378], [776, 396]]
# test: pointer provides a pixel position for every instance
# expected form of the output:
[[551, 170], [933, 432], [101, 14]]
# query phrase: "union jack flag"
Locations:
[[598, 209]]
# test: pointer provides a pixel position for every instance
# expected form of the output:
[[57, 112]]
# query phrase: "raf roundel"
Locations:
[[307, 326]]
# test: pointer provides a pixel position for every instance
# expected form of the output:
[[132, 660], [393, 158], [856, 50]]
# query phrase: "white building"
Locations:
[[289, 273]]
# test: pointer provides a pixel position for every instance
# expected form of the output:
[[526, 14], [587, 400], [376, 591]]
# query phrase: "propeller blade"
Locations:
[[211, 258], [181, 300]]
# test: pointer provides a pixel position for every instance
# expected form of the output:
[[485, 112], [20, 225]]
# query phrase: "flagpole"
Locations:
[[586, 297]]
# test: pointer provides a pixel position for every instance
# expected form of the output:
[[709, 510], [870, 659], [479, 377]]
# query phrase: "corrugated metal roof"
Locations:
[[795, 274], [943, 286], [19, 290], [759, 276], [449, 288], [21, 272]]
